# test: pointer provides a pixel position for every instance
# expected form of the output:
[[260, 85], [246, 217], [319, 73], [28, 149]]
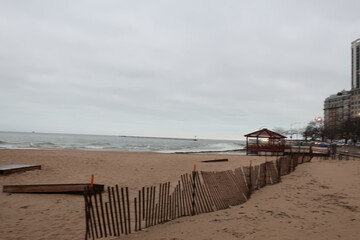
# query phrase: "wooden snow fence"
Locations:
[[119, 212]]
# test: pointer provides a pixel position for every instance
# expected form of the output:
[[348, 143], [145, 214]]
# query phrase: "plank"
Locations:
[[51, 188], [216, 160], [13, 168]]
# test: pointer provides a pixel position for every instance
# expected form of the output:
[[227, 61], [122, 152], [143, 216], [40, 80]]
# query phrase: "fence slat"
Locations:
[[121, 216], [217, 189], [97, 213], [201, 194], [167, 201], [124, 210], [140, 211], [135, 215], [153, 219], [108, 218], [128, 209], [89, 206], [240, 178], [157, 220], [186, 195], [111, 212], [181, 202], [115, 212], [102, 213], [143, 205]]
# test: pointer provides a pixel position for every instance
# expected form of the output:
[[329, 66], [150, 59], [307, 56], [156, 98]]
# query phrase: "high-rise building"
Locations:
[[355, 79], [355, 64], [344, 105]]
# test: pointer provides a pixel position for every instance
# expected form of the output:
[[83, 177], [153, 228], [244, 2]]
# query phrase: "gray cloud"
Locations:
[[171, 68]]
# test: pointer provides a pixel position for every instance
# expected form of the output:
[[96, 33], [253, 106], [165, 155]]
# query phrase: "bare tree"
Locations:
[[314, 130]]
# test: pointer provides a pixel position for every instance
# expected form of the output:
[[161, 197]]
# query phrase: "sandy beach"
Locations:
[[320, 200]]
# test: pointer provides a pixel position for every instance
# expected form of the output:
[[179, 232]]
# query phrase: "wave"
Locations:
[[216, 148], [234, 151], [43, 144], [28, 145], [100, 144]]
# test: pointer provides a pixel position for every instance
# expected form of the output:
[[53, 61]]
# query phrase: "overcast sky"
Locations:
[[214, 69]]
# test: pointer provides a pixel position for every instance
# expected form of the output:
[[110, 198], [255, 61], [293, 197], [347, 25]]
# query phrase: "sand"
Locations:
[[320, 200]]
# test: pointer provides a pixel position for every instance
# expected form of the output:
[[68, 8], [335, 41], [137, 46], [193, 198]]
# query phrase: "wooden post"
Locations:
[[136, 215], [140, 210], [193, 193], [278, 166], [143, 200], [250, 180], [247, 146]]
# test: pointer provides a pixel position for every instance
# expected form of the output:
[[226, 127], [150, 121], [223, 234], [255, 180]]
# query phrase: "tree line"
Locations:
[[317, 130]]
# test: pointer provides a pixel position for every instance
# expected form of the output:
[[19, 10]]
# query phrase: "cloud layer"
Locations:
[[213, 69]]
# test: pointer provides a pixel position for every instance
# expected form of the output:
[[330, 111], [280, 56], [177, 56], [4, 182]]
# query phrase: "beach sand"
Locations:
[[320, 200]]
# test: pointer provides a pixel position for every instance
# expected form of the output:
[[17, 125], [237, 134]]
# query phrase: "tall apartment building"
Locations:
[[346, 104], [355, 64], [355, 79]]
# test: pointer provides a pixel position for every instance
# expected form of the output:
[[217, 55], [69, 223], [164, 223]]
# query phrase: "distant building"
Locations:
[[344, 105], [337, 111]]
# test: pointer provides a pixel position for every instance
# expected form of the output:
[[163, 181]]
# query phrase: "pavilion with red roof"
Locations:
[[265, 142]]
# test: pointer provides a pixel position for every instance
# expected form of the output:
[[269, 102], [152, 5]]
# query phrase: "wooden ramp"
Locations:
[[52, 188], [12, 168]]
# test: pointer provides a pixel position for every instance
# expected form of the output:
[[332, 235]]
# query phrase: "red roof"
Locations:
[[265, 133]]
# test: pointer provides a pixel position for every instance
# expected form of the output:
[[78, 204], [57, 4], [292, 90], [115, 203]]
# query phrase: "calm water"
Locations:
[[16, 140]]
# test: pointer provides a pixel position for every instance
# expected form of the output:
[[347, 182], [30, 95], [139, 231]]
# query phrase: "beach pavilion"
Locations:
[[265, 142]]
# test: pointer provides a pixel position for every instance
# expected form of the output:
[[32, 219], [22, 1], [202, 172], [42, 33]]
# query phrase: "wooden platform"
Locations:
[[52, 188], [216, 160], [12, 168]]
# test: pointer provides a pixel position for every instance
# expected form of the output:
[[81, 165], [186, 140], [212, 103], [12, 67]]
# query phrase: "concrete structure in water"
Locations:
[[345, 105]]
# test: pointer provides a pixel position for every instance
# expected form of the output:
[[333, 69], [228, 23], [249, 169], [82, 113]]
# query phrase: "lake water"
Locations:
[[43, 141]]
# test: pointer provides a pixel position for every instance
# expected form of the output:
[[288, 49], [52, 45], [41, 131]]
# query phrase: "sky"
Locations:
[[211, 69]]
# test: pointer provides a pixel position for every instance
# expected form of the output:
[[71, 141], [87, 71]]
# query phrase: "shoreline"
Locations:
[[61, 216], [239, 151]]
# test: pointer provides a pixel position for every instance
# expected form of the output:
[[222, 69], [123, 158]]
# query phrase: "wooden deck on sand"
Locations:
[[52, 188], [12, 168]]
